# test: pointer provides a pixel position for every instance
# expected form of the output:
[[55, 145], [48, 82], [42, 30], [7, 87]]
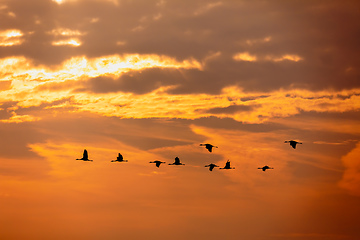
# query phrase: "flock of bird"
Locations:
[[208, 146]]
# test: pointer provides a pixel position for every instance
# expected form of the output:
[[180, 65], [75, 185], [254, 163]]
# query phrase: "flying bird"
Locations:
[[119, 159], [85, 156], [293, 143], [177, 162], [211, 166], [208, 146], [157, 163], [265, 167], [227, 165]]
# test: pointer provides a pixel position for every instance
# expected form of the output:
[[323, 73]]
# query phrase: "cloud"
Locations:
[[245, 56], [208, 7], [231, 109], [307, 52], [11, 37], [351, 178]]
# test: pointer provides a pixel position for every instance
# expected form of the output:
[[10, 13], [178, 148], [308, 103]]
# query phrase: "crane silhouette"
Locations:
[[177, 162], [85, 156], [227, 165], [119, 159], [211, 166], [293, 143], [157, 162], [208, 146], [264, 168]]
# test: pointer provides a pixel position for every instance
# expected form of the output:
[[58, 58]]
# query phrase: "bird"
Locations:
[[119, 159], [208, 146], [157, 162], [85, 156], [177, 162], [211, 166], [293, 143], [227, 165], [265, 167]]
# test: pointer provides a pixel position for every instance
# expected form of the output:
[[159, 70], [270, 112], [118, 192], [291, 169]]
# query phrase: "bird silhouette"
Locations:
[[227, 165], [265, 167], [211, 166], [293, 143], [208, 146], [177, 162], [119, 159], [85, 156], [157, 163]]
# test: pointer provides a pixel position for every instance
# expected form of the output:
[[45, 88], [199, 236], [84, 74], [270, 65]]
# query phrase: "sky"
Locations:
[[152, 80]]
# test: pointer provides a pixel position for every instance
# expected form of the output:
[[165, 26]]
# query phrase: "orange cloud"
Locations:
[[245, 56], [351, 177], [11, 37], [71, 42], [28, 88]]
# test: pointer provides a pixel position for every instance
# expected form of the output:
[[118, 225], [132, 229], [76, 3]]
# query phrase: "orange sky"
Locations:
[[152, 79]]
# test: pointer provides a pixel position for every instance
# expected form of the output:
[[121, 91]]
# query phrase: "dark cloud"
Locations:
[[245, 99], [323, 33], [136, 82], [231, 109], [6, 109]]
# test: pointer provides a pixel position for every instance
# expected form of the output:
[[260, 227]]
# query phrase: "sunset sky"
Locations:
[[152, 79]]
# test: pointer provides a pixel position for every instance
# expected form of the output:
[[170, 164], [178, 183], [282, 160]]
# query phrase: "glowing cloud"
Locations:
[[29, 87], [251, 42], [289, 57], [65, 32], [71, 42], [20, 118], [10, 37], [245, 56]]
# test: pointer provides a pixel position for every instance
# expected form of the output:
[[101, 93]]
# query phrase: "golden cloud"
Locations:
[[11, 37], [245, 56], [71, 42], [28, 88]]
